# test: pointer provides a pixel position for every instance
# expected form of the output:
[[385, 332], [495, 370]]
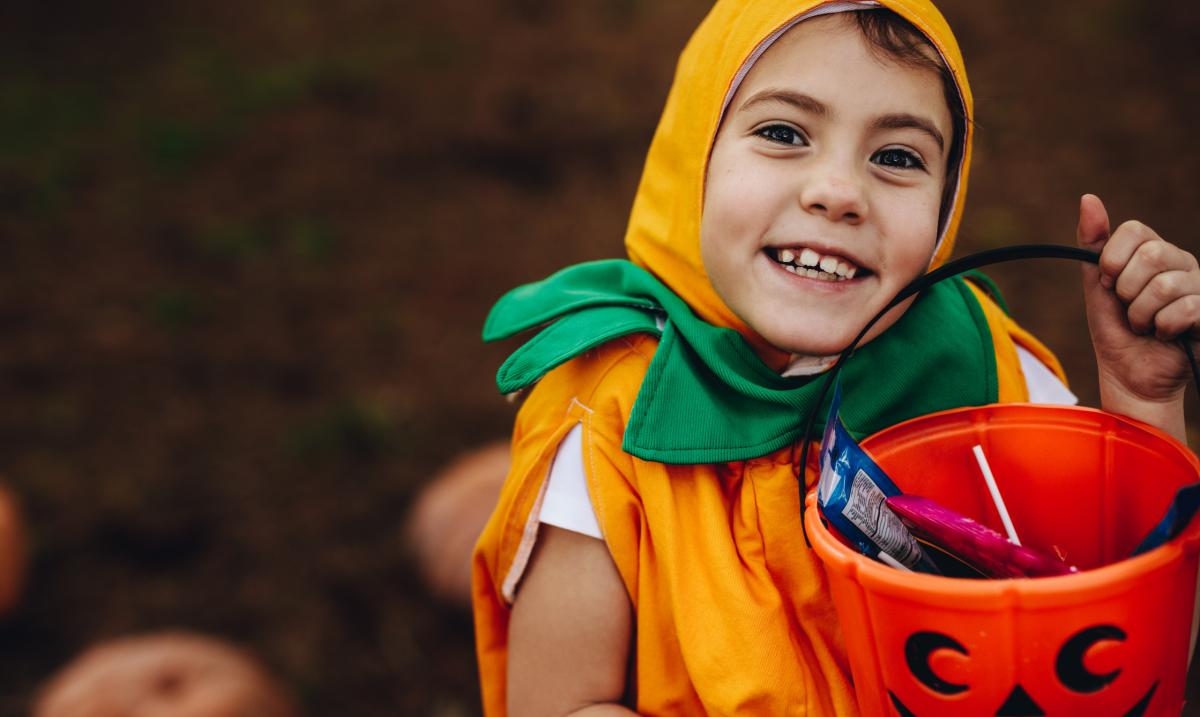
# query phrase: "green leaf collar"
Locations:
[[707, 397]]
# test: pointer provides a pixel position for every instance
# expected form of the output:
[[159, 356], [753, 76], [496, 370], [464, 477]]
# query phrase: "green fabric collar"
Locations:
[[707, 397]]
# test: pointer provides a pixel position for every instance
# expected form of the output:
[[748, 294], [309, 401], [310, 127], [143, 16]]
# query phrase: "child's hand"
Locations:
[[1142, 298]]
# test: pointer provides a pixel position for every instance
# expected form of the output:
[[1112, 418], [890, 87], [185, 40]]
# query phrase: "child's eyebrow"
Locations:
[[798, 100], [907, 121]]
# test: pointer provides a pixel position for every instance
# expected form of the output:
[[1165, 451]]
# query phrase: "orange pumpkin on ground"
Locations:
[[12, 551], [449, 515], [170, 674]]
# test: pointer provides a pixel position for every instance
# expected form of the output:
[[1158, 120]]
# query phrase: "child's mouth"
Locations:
[[814, 265]]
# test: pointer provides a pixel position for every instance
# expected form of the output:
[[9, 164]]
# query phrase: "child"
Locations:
[[646, 552]]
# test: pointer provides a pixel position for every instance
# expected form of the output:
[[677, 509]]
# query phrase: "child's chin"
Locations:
[[807, 345], [823, 333]]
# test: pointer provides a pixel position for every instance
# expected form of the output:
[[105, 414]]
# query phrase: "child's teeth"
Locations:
[[807, 262]]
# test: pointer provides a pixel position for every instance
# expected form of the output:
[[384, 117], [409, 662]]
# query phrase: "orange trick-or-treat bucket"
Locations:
[[1111, 639]]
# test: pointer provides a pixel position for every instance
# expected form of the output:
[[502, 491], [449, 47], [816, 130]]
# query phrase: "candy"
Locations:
[[988, 551]]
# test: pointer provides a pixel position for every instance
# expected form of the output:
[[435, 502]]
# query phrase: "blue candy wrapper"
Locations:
[[1183, 508], [851, 494]]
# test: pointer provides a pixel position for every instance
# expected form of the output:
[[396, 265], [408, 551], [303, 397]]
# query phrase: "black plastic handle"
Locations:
[[954, 268]]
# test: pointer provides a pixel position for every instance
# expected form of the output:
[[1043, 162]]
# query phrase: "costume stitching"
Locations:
[[516, 569], [529, 533], [597, 506], [576, 402]]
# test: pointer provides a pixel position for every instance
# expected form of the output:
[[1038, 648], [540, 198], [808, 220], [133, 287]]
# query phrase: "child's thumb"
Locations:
[[1092, 232], [1105, 314]]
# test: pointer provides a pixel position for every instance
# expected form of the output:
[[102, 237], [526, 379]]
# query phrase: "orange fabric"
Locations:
[[732, 609]]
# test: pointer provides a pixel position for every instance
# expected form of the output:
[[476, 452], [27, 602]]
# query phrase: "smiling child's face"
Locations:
[[829, 157]]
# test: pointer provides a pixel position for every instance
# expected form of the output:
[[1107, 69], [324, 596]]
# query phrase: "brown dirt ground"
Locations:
[[247, 249]]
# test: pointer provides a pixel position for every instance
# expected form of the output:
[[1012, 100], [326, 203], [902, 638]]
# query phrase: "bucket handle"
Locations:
[[954, 268]]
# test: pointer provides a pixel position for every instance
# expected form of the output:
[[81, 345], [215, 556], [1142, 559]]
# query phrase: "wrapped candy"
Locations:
[[980, 546]]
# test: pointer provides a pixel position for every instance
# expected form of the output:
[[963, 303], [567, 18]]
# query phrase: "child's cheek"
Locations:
[[740, 200], [908, 222]]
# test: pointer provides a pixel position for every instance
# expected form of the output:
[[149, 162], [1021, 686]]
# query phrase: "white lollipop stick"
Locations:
[[995, 491], [889, 560]]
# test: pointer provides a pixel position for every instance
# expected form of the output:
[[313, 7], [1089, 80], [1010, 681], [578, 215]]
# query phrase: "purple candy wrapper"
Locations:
[[985, 549]]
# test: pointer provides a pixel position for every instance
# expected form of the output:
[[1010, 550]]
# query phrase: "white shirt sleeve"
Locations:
[[566, 503], [1043, 385]]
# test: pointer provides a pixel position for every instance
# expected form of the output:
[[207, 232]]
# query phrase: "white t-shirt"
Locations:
[[566, 503]]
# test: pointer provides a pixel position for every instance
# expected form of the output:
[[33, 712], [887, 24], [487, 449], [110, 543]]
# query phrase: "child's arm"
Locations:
[[1142, 298], [570, 631]]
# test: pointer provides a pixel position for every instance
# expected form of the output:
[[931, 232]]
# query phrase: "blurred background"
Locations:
[[246, 250]]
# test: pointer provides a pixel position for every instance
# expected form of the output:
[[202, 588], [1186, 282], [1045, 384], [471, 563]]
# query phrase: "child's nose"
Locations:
[[835, 195]]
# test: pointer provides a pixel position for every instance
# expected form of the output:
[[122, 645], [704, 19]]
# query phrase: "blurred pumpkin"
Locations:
[[449, 515], [12, 551], [169, 674]]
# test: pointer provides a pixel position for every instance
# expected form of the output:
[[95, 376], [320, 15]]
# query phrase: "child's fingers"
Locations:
[[1163, 290], [1150, 259], [1132, 241], [1179, 318]]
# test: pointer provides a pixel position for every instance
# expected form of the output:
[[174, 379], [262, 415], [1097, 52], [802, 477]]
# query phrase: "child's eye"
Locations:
[[782, 134], [896, 158]]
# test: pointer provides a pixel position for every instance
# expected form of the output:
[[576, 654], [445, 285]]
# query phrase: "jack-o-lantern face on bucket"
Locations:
[[1071, 667]]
